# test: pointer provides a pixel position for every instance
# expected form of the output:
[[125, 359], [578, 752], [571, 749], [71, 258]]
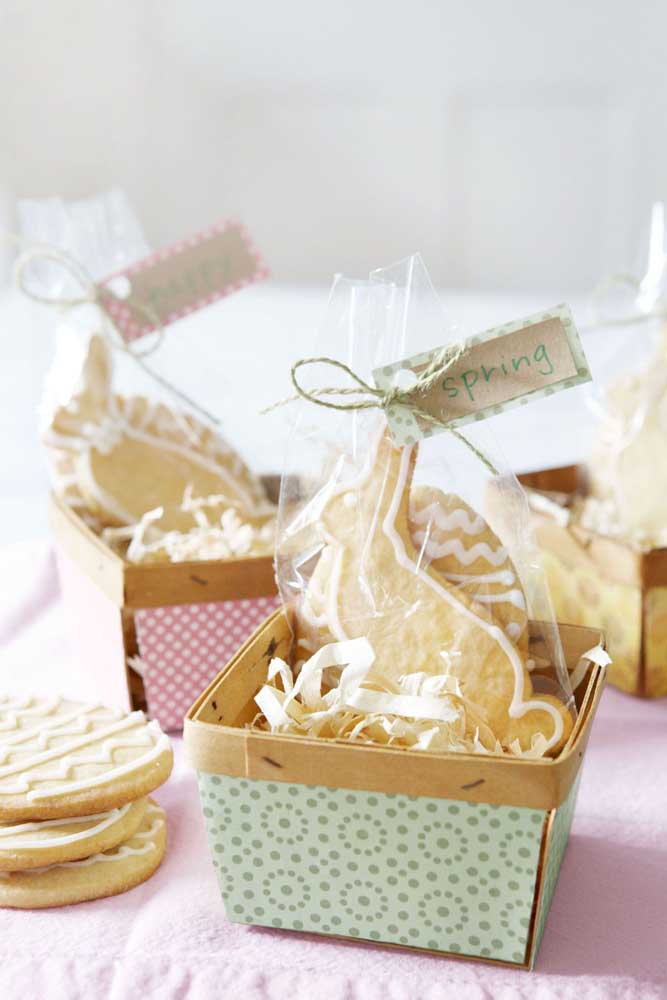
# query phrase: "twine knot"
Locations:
[[371, 397], [98, 295]]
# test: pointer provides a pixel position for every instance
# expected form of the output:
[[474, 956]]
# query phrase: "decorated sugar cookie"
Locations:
[[460, 545], [49, 841], [61, 759], [105, 873], [124, 456], [63, 432], [368, 582]]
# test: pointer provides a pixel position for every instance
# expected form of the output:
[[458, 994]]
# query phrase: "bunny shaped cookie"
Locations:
[[369, 582]]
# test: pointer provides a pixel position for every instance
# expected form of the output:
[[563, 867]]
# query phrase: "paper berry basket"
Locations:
[[597, 579], [453, 853], [151, 636]]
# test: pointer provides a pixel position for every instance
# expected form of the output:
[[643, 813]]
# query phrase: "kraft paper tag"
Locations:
[[507, 366], [182, 278]]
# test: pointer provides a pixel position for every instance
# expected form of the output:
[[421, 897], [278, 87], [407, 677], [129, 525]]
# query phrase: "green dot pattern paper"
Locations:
[[558, 842], [429, 873]]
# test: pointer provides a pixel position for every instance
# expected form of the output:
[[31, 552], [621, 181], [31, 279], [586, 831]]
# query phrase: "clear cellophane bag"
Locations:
[[627, 348], [421, 613], [132, 429]]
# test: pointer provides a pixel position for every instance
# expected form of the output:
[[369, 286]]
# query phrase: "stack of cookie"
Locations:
[[76, 822]]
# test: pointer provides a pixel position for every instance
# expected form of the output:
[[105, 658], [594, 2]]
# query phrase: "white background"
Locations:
[[517, 146], [513, 143]]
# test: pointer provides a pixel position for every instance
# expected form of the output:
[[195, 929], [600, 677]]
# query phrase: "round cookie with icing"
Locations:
[[105, 873], [124, 456], [60, 759], [369, 582], [49, 841], [460, 545]]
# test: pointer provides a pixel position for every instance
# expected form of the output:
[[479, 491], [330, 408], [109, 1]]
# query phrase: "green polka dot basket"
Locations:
[[295, 848]]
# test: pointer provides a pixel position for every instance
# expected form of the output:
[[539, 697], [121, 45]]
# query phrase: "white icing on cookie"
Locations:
[[93, 435], [73, 724], [518, 707], [42, 751], [454, 546], [332, 618], [114, 854], [504, 576], [470, 524], [12, 834], [16, 709], [514, 597], [469, 572], [495, 557]]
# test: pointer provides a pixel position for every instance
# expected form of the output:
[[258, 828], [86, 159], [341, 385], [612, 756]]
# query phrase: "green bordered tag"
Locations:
[[506, 366]]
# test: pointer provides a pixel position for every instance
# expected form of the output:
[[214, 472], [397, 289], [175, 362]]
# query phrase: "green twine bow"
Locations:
[[382, 399], [99, 295]]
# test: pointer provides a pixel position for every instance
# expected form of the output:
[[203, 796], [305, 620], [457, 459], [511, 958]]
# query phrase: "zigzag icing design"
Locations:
[[21, 709], [33, 750], [75, 744], [58, 727], [470, 524], [454, 546]]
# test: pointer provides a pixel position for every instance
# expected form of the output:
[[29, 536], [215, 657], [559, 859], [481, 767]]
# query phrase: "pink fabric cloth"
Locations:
[[606, 936]]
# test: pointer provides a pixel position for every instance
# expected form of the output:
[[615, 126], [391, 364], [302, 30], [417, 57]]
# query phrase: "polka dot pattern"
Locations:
[[431, 873], [560, 832], [184, 646], [404, 427]]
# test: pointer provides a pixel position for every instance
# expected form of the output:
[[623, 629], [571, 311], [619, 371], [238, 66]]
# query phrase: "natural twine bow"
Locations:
[[383, 399], [99, 296]]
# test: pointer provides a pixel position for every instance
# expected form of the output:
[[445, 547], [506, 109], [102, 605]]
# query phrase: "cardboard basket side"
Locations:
[[181, 619], [611, 581], [152, 585], [654, 646], [380, 845], [457, 878], [89, 553], [556, 837], [218, 740]]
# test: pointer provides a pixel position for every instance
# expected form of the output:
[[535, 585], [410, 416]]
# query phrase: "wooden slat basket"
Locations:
[[595, 579], [452, 853], [151, 636]]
